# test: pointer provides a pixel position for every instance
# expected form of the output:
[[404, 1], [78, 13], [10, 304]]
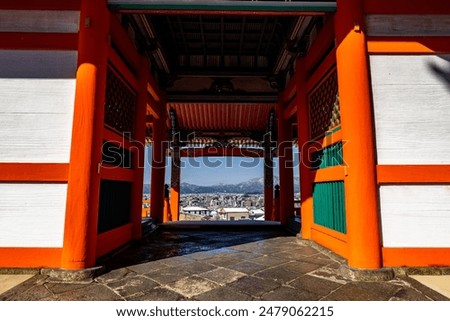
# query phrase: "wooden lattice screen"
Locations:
[[120, 104], [324, 111]]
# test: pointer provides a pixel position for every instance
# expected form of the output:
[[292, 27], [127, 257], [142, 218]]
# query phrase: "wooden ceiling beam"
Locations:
[[221, 152]]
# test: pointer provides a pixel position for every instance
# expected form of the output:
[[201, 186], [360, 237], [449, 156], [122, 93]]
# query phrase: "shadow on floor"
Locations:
[[171, 241]]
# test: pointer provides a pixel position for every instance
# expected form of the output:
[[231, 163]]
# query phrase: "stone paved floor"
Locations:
[[215, 265]]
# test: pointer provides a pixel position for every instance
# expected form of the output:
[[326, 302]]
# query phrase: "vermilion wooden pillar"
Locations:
[[306, 183], [359, 151], [268, 181], [80, 230], [285, 167], [158, 166], [175, 184], [276, 203], [139, 150], [167, 214]]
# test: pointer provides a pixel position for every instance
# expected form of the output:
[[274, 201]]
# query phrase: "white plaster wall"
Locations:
[[32, 215], [415, 215], [39, 21], [411, 97], [37, 93], [407, 25]]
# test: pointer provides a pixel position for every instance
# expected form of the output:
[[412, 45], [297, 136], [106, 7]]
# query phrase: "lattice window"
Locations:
[[328, 157], [329, 205], [324, 111], [120, 102]]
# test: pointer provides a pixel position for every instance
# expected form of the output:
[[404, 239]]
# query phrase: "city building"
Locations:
[[196, 210], [257, 214], [234, 213]]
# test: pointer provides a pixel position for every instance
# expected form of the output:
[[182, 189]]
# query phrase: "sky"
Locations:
[[207, 171]]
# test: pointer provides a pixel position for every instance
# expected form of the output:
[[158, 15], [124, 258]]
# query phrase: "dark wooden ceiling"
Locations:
[[223, 47], [221, 44], [222, 73]]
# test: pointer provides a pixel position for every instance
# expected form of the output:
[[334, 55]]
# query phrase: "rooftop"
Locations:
[[233, 210], [194, 208]]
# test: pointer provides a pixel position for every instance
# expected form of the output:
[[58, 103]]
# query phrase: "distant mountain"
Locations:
[[252, 186]]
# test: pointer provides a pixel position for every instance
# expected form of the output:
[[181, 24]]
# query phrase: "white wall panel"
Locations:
[[411, 96], [39, 21], [408, 25], [415, 215], [32, 215], [37, 93], [38, 63]]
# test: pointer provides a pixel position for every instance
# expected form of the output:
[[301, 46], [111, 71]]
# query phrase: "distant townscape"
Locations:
[[252, 186], [242, 201]]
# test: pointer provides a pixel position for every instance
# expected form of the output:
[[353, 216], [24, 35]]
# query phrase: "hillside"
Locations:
[[252, 186]]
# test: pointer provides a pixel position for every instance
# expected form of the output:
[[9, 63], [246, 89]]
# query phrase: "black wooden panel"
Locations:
[[116, 156], [114, 207]]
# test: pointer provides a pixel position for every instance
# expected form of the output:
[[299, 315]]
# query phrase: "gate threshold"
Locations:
[[241, 224]]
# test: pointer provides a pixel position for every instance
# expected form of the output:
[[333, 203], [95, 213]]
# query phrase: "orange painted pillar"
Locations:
[[175, 184], [80, 229], [285, 165], [140, 128], [276, 204], [306, 181], [158, 167], [268, 182], [167, 213], [363, 230]]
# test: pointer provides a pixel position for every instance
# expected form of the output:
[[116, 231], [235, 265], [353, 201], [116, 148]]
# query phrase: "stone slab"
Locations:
[[439, 283], [8, 281]]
